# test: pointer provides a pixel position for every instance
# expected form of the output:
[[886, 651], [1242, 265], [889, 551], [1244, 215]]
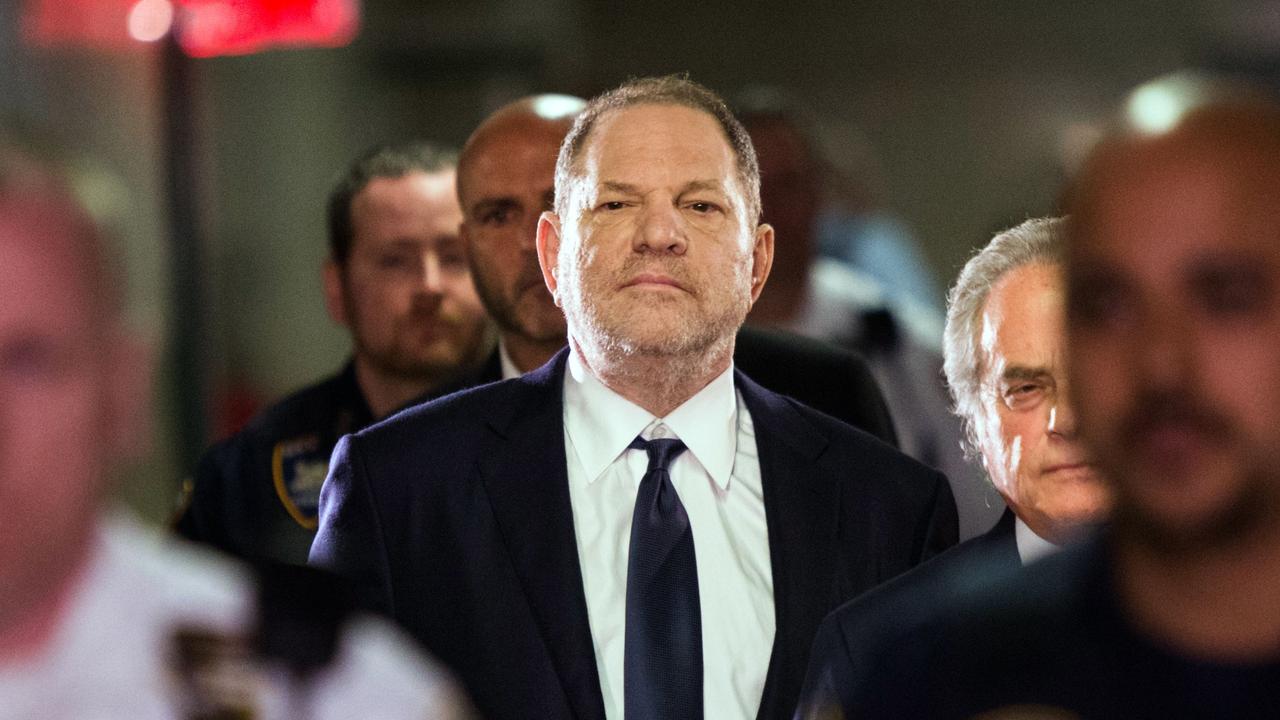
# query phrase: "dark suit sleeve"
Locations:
[[941, 525], [820, 698], [350, 540]]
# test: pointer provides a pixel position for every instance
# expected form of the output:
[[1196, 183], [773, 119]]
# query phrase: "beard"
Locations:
[[1243, 501], [527, 310], [622, 323]]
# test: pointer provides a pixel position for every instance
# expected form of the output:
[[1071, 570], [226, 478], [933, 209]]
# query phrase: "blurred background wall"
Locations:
[[960, 118]]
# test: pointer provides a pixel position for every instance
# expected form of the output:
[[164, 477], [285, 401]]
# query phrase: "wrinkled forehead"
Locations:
[[661, 140]]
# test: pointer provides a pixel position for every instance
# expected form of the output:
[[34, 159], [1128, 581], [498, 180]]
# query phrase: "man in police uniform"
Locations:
[[397, 278]]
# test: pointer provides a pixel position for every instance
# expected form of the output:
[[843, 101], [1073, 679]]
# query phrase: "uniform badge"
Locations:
[[299, 467]]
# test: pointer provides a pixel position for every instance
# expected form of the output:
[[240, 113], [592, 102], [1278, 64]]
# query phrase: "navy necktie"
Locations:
[[662, 670]]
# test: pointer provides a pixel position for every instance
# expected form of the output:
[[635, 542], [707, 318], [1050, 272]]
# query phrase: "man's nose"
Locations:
[[661, 230], [1163, 347], [1062, 419], [432, 273]]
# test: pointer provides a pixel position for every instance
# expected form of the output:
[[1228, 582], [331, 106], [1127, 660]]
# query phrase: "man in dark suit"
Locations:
[[1173, 327], [506, 176], [1003, 358], [634, 527]]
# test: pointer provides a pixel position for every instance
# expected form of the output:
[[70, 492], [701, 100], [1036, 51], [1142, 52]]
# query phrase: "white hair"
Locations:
[[1036, 241]]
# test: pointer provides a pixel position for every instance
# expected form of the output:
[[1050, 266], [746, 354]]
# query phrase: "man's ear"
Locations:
[[761, 259], [334, 301], [548, 242]]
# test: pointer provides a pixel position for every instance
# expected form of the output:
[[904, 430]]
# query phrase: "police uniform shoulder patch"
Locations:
[[298, 467]]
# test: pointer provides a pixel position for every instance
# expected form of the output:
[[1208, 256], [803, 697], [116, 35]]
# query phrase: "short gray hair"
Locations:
[[1036, 241], [667, 90]]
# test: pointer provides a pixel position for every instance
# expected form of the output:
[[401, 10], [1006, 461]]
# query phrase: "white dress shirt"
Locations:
[[1031, 547], [509, 369], [718, 481]]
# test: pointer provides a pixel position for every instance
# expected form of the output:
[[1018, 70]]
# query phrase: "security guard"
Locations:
[[397, 279]]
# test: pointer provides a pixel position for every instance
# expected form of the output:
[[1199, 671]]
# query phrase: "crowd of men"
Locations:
[[557, 478]]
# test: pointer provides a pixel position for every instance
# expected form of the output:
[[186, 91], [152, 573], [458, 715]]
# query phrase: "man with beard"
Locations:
[[1173, 320], [506, 179], [636, 527], [397, 278]]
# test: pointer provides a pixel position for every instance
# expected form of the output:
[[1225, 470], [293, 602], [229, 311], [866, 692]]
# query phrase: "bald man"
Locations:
[[98, 617], [1173, 326], [506, 179]]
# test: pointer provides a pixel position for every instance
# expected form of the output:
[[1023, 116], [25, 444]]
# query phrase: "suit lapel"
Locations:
[[801, 506], [527, 482]]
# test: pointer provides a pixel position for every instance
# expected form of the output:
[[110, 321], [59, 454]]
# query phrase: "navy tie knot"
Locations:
[[662, 451]]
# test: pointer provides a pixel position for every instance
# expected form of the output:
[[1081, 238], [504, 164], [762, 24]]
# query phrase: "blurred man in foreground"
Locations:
[[1005, 362], [97, 617], [397, 278], [1173, 283], [506, 180]]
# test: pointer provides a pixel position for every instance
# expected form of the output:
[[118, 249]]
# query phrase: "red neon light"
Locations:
[[237, 27], [204, 28]]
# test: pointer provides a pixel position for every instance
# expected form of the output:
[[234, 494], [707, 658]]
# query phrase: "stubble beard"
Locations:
[[634, 338]]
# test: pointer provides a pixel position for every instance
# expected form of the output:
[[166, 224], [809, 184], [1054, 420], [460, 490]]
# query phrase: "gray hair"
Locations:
[[1036, 241], [667, 90]]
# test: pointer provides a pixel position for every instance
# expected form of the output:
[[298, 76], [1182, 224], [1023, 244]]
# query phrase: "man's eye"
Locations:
[[496, 217], [703, 207], [1023, 395], [394, 262], [612, 205], [453, 260]]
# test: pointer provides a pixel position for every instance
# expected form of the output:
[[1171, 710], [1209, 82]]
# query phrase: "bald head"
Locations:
[[1174, 322], [544, 117], [506, 179]]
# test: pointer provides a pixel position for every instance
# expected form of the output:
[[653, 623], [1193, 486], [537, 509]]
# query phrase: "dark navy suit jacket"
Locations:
[[454, 518], [845, 651]]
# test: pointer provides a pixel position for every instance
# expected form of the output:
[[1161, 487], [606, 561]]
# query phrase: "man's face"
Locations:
[[507, 183], [405, 291], [70, 385], [658, 255], [1175, 337], [1026, 428]]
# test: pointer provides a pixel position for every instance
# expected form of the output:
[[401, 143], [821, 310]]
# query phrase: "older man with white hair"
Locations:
[[1004, 350]]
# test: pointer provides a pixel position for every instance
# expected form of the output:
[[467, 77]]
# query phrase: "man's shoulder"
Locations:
[[449, 419], [306, 408]]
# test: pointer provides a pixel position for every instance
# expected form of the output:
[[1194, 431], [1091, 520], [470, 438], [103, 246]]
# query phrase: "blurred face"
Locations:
[[658, 256], [68, 385], [1026, 428], [1175, 337], [789, 192], [406, 291], [507, 183]]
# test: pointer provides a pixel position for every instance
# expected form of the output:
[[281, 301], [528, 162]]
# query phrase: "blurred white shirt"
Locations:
[[112, 653]]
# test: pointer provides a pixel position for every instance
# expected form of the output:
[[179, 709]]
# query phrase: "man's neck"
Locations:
[[527, 354], [1214, 604], [31, 608], [385, 392], [659, 384]]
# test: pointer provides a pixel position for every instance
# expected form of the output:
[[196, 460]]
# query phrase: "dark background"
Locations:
[[962, 117]]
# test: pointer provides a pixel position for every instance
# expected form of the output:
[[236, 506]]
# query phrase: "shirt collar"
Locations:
[[509, 369], [1031, 547], [601, 423]]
